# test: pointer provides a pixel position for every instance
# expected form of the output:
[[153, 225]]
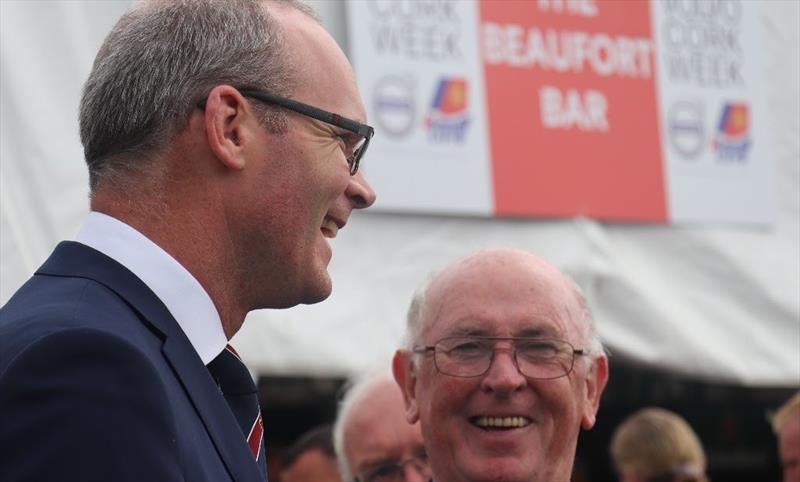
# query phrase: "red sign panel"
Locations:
[[571, 100]]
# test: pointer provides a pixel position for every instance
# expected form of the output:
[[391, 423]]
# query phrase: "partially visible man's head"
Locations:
[[502, 370], [311, 458], [373, 440], [656, 444], [162, 58], [170, 138], [786, 424]]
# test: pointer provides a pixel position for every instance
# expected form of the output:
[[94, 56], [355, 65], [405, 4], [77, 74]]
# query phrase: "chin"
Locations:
[[311, 300], [501, 471], [318, 291], [311, 292]]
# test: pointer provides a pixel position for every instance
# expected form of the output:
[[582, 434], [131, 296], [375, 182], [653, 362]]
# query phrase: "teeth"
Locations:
[[502, 422], [329, 228]]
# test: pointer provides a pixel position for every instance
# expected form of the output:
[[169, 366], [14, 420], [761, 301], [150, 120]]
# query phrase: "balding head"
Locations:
[[511, 265], [503, 369], [371, 430]]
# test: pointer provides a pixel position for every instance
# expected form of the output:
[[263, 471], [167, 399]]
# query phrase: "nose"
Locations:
[[359, 192], [503, 376]]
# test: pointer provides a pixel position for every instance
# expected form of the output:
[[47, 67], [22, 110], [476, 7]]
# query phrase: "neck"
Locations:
[[186, 228]]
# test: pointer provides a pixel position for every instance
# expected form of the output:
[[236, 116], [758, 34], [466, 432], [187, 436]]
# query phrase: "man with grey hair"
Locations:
[[371, 437], [223, 140], [502, 369]]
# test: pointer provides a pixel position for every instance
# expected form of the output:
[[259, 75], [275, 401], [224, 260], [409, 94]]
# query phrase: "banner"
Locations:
[[630, 111]]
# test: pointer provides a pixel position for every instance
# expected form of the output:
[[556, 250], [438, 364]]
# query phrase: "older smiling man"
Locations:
[[373, 441], [502, 370]]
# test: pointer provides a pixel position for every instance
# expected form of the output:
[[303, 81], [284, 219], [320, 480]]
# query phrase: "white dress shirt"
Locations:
[[180, 292]]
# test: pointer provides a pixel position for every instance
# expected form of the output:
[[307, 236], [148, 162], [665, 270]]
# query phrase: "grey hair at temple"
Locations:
[[160, 60]]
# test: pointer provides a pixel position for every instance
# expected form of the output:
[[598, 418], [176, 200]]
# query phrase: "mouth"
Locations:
[[500, 423], [330, 227]]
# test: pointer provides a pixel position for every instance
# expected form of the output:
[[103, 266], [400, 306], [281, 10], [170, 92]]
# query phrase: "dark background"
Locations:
[[732, 421]]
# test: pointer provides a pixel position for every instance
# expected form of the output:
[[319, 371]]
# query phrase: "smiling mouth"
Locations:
[[329, 228], [500, 423]]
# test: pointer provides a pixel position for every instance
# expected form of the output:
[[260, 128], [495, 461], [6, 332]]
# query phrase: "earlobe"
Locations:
[[596, 381], [225, 125], [406, 378]]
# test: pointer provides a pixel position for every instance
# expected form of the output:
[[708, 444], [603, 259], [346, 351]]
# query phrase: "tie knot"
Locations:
[[240, 393], [231, 374]]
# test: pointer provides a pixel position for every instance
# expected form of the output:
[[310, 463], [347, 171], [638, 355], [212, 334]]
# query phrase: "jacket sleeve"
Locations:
[[82, 404]]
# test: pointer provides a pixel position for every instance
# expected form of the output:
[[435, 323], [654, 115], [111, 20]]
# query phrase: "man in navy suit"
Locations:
[[223, 140]]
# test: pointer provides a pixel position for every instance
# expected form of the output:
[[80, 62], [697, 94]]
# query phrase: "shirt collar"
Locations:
[[180, 292]]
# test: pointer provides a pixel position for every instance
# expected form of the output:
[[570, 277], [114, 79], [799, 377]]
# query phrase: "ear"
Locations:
[[228, 126], [595, 381], [405, 375]]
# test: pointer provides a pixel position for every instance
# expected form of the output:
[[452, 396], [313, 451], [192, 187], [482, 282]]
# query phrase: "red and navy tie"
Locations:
[[240, 392]]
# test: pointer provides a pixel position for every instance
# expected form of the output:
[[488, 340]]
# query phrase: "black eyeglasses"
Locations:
[[355, 148], [472, 356]]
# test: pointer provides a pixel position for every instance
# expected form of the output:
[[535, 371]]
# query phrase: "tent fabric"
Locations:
[[715, 302]]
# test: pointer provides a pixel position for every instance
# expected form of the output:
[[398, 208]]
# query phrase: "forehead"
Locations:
[[501, 295], [325, 77], [377, 429]]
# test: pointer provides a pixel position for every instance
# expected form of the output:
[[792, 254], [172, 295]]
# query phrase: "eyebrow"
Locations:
[[469, 330], [530, 332], [375, 463], [540, 332], [419, 452]]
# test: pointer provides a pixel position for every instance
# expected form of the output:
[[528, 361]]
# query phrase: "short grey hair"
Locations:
[[594, 345], [355, 391], [160, 60], [414, 314]]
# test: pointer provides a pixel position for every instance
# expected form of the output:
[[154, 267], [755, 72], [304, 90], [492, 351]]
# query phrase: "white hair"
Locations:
[[592, 341], [356, 391], [414, 323]]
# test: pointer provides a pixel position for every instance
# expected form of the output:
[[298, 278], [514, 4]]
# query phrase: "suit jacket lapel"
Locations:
[[77, 260], [214, 411]]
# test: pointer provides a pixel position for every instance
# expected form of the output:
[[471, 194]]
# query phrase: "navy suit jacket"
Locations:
[[99, 382]]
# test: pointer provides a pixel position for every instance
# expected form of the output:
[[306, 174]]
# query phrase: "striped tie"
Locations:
[[240, 392]]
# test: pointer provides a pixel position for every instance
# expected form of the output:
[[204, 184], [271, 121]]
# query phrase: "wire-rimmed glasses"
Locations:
[[472, 356]]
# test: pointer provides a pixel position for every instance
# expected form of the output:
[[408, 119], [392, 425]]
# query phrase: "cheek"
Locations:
[[448, 398], [564, 404], [328, 150], [325, 159]]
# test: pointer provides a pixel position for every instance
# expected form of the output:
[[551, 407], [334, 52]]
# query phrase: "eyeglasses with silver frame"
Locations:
[[472, 356]]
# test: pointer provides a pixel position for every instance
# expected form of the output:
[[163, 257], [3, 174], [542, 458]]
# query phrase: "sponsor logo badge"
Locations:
[[394, 106], [732, 140], [448, 118], [685, 129]]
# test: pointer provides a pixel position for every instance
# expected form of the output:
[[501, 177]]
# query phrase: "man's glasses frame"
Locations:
[[441, 349], [363, 130], [393, 471]]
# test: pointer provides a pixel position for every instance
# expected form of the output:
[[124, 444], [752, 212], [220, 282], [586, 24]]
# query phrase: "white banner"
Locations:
[[621, 111]]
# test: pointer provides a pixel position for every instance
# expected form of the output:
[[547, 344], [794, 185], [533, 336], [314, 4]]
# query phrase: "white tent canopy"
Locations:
[[716, 302]]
